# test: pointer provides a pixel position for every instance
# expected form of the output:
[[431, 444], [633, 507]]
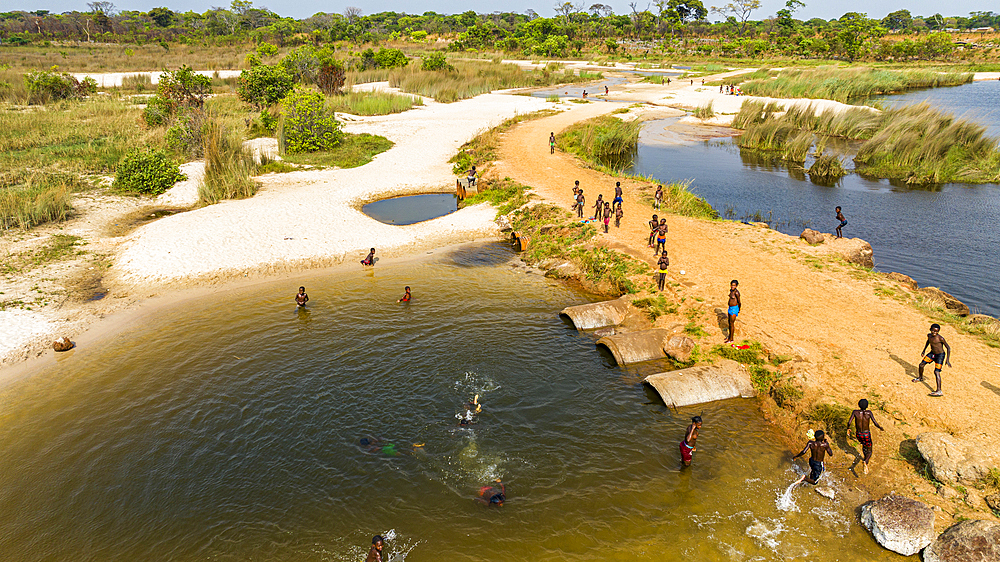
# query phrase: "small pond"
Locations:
[[412, 209]]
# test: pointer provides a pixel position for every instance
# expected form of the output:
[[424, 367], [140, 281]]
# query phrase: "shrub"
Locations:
[[390, 58], [184, 87], [186, 134], [48, 86], [786, 394], [30, 198], [158, 111], [436, 61], [264, 85], [834, 416], [266, 50], [305, 62], [307, 125], [419, 35], [331, 77], [146, 171]]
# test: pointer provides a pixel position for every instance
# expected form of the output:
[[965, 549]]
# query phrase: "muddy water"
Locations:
[[411, 209], [228, 429]]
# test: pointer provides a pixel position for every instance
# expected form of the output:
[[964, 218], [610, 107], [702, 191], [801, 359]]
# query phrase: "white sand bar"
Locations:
[[313, 218], [116, 79]]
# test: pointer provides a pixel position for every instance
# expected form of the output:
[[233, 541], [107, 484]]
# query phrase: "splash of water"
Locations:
[[785, 501]]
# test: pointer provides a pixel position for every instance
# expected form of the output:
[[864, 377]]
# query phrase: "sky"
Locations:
[[305, 8]]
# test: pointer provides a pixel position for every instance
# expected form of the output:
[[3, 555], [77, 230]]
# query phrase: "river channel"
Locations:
[[228, 429], [942, 235]]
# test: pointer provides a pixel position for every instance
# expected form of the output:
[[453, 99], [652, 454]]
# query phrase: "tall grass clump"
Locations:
[[12, 86], [705, 111], [137, 82], [754, 111], [922, 145], [849, 84], [372, 103], [797, 147], [826, 168], [604, 140], [29, 198], [228, 166], [678, 199]]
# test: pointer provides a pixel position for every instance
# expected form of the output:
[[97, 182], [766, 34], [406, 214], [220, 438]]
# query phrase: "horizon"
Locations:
[[302, 10]]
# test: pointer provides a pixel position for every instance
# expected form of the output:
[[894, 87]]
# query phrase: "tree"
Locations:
[[162, 17], [264, 85], [738, 9], [352, 13], [785, 15], [900, 19], [102, 7], [853, 30], [688, 10]]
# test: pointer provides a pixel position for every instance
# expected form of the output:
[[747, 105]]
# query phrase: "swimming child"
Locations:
[[734, 308], [661, 265], [843, 222], [940, 355], [407, 296], [493, 494], [370, 259], [375, 554], [690, 437], [301, 298]]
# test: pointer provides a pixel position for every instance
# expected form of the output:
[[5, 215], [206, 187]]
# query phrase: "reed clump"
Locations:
[[604, 140], [372, 103], [706, 111], [30, 197], [679, 200], [847, 84], [228, 166], [827, 167]]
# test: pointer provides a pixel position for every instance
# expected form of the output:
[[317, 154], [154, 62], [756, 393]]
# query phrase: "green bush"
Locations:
[[266, 50], [48, 86], [184, 87], [186, 134], [146, 171], [436, 61], [264, 85], [307, 125], [390, 58]]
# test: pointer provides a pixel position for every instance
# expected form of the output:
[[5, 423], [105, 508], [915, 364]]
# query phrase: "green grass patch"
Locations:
[[761, 378], [29, 198], [506, 194], [786, 394], [749, 356], [602, 265], [694, 330], [352, 151], [372, 103], [228, 166], [655, 306], [706, 111], [834, 416], [603, 140], [268, 166], [58, 247], [848, 84]]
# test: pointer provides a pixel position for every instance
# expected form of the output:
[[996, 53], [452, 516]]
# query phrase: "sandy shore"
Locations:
[[115, 79]]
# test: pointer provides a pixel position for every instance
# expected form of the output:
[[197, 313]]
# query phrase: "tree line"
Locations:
[[664, 26]]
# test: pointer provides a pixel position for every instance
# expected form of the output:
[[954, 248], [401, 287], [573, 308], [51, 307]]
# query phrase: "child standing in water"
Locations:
[[818, 448], [301, 298], [405, 297], [690, 437], [370, 259], [843, 222], [661, 266]]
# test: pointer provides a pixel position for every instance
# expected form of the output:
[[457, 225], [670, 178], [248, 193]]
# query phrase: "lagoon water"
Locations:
[[943, 236], [411, 209], [228, 428]]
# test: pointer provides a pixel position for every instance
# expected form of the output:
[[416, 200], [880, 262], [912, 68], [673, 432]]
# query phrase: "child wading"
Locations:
[[690, 437], [370, 259], [818, 448], [661, 266]]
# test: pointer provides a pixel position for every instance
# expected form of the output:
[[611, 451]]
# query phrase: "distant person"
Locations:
[[471, 414], [580, 202], [552, 143], [735, 304], [598, 206], [607, 216], [406, 297], [690, 437], [668, 80], [692, 82], [940, 355], [661, 266], [661, 237], [493, 495], [375, 554], [618, 216], [861, 418], [702, 81], [720, 88], [370, 259], [843, 222], [654, 223], [472, 177], [618, 194], [301, 298], [819, 447], [658, 198], [585, 94], [606, 90]]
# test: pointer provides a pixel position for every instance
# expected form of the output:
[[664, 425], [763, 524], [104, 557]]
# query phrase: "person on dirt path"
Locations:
[[580, 202], [843, 222], [598, 206], [606, 90], [940, 355], [658, 198], [552, 143], [618, 194], [618, 216], [734, 308], [301, 298], [607, 216], [654, 223], [818, 448], [861, 418], [661, 270], [690, 437], [661, 237]]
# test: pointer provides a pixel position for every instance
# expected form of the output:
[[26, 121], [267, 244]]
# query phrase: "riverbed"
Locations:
[[228, 428], [940, 235]]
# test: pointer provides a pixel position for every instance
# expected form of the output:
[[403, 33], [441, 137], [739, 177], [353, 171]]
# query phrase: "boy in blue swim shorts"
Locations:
[[734, 308], [843, 223]]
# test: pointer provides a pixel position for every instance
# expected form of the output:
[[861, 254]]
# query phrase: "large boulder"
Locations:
[[679, 348], [973, 540], [904, 280], [854, 250], [952, 460], [945, 300], [811, 236], [899, 524]]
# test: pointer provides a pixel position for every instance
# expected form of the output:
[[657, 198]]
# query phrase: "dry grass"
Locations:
[[30, 198], [75, 56], [228, 166]]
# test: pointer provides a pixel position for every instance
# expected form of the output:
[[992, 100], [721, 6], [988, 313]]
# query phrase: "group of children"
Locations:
[[603, 210]]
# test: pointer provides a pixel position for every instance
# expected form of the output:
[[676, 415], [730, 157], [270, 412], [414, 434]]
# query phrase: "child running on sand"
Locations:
[[861, 418], [370, 259], [301, 298], [661, 266], [843, 222], [940, 355]]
